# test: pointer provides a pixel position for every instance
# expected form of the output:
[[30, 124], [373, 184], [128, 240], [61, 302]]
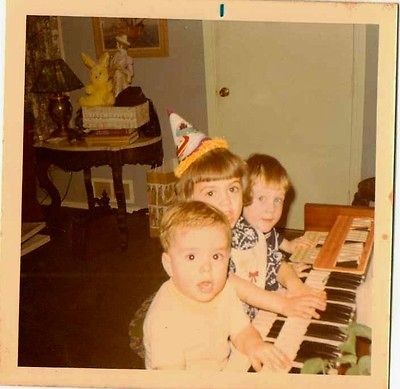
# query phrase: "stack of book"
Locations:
[[113, 137]]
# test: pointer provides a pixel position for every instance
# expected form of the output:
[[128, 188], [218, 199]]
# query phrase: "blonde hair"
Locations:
[[269, 170], [217, 164], [191, 214]]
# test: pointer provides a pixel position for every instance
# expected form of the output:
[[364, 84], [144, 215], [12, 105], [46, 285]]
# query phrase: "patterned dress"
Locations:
[[248, 257], [274, 259], [255, 257]]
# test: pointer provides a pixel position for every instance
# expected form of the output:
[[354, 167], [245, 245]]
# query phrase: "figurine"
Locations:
[[121, 65], [99, 90]]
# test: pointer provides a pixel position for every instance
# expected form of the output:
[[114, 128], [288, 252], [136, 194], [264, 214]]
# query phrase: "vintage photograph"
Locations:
[[218, 218], [142, 37]]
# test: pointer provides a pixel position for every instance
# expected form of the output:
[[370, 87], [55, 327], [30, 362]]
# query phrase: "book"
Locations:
[[115, 117], [122, 140], [112, 132]]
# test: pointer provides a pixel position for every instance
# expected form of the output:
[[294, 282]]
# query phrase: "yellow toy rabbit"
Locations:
[[99, 90]]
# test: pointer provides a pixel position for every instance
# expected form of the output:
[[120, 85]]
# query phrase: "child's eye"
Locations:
[[217, 256], [190, 257], [234, 189], [278, 201], [210, 193], [261, 198]]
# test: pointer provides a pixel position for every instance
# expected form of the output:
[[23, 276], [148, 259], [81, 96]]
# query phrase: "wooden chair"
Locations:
[[366, 193]]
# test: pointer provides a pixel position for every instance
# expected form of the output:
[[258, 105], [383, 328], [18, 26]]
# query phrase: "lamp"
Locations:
[[56, 77]]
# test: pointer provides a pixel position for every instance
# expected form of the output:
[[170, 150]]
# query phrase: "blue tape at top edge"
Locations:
[[221, 10]]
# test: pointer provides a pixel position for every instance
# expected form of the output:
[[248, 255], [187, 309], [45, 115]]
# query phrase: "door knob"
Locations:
[[223, 92]]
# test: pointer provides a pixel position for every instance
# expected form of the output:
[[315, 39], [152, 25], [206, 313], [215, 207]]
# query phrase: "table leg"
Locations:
[[46, 184], [116, 168], [87, 174]]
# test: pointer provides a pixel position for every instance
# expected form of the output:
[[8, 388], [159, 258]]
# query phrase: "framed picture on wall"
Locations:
[[145, 37]]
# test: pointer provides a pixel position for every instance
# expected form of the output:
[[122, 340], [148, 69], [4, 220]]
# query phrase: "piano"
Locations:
[[339, 264]]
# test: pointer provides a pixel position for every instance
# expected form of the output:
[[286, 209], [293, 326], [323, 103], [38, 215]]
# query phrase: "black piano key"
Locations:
[[334, 317], [336, 313], [275, 329], [340, 308], [347, 276], [325, 331], [335, 283], [345, 296], [310, 349], [344, 280], [337, 309]]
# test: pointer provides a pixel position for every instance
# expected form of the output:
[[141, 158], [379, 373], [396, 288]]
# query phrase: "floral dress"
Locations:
[[248, 257], [274, 259]]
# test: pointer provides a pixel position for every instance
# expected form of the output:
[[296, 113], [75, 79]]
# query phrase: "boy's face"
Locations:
[[266, 209], [197, 261], [225, 195]]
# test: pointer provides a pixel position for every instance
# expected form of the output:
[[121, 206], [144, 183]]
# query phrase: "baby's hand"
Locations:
[[304, 301], [266, 355]]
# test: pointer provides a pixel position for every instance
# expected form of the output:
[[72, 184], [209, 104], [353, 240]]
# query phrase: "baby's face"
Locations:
[[197, 261], [225, 195], [266, 208]]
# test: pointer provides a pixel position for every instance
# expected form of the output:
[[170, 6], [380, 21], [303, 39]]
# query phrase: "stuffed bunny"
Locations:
[[99, 90]]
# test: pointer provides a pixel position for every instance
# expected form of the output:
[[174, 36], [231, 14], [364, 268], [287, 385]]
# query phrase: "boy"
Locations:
[[196, 312], [209, 172]]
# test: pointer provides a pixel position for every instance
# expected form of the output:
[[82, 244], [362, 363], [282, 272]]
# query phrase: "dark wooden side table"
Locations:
[[79, 156]]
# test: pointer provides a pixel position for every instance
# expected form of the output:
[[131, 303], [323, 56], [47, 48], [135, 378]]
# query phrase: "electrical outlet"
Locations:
[[101, 184]]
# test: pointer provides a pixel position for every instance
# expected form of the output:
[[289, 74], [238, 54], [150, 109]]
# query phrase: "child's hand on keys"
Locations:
[[305, 304], [300, 267], [266, 355]]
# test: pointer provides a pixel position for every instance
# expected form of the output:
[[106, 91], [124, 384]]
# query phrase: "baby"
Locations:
[[196, 321]]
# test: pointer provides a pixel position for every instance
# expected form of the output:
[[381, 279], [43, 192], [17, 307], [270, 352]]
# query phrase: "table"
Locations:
[[73, 157]]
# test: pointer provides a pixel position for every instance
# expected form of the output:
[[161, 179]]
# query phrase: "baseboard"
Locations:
[[81, 205]]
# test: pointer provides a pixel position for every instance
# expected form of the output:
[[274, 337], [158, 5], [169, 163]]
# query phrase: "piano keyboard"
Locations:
[[301, 339], [353, 253]]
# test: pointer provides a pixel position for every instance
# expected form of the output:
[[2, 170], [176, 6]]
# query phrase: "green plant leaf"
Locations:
[[353, 370], [348, 358], [314, 366], [364, 364], [349, 346], [360, 330]]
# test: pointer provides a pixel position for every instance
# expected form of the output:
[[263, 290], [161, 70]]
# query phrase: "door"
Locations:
[[294, 91]]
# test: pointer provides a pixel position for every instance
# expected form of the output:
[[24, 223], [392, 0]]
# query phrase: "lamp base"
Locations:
[[60, 110]]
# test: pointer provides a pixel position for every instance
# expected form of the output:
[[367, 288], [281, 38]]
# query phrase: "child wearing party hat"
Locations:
[[209, 172], [196, 320]]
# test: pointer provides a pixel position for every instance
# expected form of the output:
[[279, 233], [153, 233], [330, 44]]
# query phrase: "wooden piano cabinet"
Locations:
[[322, 217]]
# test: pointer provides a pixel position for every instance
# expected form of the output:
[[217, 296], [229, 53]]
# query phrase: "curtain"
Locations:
[[42, 42]]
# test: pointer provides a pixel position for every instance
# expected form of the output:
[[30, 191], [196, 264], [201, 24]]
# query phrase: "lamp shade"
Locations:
[[55, 76]]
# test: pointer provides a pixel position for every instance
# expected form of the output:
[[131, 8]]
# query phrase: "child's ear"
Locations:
[[166, 262]]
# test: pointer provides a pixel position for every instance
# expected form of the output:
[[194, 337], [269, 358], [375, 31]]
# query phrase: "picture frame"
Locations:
[[147, 37]]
